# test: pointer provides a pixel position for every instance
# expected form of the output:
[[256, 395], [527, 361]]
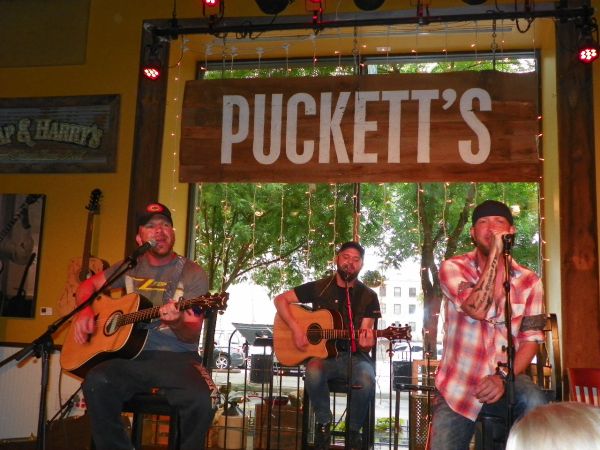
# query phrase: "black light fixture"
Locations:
[[368, 5], [474, 2], [152, 68], [588, 50], [272, 7]]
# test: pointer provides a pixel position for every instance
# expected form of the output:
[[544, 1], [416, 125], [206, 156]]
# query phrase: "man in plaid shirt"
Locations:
[[469, 379]]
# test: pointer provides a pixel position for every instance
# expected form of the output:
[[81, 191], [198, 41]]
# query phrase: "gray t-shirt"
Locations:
[[180, 278]]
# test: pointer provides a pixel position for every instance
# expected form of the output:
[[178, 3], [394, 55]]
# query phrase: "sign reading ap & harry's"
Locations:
[[461, 126]]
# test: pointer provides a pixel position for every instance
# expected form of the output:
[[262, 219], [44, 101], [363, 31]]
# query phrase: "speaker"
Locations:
[[261, 368], [402, 374]]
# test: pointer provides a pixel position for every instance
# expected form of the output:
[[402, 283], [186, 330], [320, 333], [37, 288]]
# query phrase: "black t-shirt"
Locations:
[[325, 293]]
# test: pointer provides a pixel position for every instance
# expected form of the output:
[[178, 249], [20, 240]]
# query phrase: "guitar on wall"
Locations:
[[116, 335], [322, 328], [82, 268]]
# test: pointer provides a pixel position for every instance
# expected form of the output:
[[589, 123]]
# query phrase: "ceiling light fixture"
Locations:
[[272, 7], [368, 5]]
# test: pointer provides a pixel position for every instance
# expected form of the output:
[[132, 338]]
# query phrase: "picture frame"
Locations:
[[59, 134], [21, 226]]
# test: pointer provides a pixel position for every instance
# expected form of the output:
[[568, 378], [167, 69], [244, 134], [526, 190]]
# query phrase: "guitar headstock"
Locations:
[[212, 301], [94, 204], [397, 333], [32, 198]]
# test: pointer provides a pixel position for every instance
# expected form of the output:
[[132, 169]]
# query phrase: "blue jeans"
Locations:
[[451, 431], [320, 371]]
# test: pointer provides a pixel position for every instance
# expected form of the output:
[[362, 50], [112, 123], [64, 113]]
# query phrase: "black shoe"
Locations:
[[322, 436], [354, 440]]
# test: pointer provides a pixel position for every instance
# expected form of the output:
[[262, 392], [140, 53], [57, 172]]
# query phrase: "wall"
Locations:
[[111, 67]]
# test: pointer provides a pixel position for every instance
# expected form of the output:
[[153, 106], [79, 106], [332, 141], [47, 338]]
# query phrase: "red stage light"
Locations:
[[588, 53], [211, 3], [151, 72]]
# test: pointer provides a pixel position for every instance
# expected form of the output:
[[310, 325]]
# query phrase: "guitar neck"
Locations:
[[152, 313], [85, 259], [333, 333]]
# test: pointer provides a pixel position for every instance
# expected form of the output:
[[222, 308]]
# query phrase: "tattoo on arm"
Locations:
[[483, 296]]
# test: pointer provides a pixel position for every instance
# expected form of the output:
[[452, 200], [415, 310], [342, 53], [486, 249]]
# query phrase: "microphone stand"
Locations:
[[43, 346], [350, 355], [510, 348]]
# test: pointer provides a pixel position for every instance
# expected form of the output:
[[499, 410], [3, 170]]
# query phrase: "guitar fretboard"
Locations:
[[214, 302], [337, 334]]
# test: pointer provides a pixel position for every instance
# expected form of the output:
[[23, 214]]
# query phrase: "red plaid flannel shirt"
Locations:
[[473, 348]]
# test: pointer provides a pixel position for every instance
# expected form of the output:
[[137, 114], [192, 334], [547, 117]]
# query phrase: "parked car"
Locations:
[[225, 354]]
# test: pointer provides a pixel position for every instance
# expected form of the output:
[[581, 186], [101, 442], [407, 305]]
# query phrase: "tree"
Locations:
[[280, 235], [431, 222], [275, 234]]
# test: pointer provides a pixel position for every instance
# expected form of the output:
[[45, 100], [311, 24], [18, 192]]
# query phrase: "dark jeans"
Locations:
[[320, 371], [451, 431], [109, 384]]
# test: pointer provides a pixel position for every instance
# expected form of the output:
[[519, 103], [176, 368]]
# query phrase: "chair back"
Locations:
[[547, 370], [584, 384]]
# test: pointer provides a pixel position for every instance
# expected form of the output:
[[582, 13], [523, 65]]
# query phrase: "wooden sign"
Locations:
[[461, 126], [59, 134]]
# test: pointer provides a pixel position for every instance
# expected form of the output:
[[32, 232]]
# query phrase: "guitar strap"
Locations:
[[175, 289], [215, 398]]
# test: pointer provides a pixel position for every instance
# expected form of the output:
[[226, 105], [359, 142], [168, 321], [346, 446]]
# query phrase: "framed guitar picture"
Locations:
[[21, 218]]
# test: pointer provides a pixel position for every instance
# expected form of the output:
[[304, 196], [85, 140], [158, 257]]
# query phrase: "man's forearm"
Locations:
[[481, 299]]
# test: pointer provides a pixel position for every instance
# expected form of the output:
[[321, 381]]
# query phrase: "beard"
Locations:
[[347, 276]]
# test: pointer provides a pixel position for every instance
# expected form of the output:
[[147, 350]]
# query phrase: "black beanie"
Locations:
[[491, 208]]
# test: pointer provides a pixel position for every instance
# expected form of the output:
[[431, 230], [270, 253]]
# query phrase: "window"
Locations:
[[397, 292], [382, 305], [412, 309], [382, 292], [412, 292], [397, 308], [413, 326], [381, 324]]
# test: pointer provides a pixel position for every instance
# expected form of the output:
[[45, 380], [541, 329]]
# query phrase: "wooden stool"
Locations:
[[156, 404]]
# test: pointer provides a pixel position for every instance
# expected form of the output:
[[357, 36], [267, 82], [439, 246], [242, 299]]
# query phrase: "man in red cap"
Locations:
[[169, 358], [472, 373]]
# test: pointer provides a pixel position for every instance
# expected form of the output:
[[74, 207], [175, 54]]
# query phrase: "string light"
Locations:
[[334, 220], [309, 222], [282, 273]]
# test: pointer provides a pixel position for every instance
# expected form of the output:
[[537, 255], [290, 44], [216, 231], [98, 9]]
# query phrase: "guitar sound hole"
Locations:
[[112, 324], [314, 334]]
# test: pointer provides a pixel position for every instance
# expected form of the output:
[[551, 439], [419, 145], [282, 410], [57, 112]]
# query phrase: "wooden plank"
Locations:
[[578, 215], [410, 128]]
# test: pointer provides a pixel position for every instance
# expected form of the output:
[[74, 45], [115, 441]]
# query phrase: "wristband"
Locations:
[[502, 372]]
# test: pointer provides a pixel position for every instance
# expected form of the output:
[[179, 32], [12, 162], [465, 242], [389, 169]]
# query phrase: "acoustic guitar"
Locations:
[[322, 327], [116, 334], [16, 241], [82, 268]]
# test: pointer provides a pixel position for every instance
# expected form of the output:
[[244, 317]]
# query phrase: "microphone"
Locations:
[[142, 249], [345, 273], [508, 240]]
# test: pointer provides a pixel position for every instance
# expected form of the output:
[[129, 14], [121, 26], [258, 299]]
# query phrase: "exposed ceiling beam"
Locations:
[[247, 26]]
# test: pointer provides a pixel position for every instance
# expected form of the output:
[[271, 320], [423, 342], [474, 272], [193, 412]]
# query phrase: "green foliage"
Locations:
[[372, 278], [278, 235]]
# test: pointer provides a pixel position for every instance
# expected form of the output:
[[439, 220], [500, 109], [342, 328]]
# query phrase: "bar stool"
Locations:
[[490, 432], [336, 386], [153, 403]]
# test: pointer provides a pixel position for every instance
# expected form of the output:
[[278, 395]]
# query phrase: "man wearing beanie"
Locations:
[[334, 293], [470, 379]]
